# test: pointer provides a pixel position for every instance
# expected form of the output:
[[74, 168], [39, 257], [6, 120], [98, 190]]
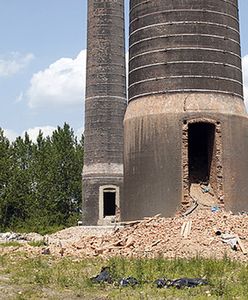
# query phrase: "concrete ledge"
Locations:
[[185, 103]]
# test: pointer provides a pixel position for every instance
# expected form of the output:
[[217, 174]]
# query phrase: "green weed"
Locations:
[[11, 244], [53, 278], [36, 243]]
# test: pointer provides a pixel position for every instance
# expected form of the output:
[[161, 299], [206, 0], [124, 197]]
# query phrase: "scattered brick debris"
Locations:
[[152, 237], [164, 237]]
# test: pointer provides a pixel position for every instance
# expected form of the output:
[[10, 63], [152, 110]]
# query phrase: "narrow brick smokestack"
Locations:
[[186, 122], [105, 106]]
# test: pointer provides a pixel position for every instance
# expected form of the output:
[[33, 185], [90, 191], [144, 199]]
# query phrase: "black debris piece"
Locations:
[[188, 282], [45, 251], [103, 276], [129, 281], [161, 283]]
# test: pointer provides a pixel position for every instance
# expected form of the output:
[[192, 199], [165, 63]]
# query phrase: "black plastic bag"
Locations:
[[129, 281], [103, 276], [188, 282]]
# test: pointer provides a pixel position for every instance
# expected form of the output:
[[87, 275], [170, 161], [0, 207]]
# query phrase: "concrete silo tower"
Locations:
[[105, 106], [186, 122]]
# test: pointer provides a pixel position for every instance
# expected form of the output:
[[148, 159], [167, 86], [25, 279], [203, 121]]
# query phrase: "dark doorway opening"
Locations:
[[201, 138], [109, 205]]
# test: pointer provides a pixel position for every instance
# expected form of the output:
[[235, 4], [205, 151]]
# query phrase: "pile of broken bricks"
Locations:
[[203, 233]]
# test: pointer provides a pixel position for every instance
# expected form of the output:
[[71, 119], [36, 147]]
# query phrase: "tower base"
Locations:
[[101, 201], [173, 141]]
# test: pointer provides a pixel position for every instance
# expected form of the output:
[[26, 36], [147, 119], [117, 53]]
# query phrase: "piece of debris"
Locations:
[[207, 189], [241, 245], [188, 282], [215, 208], [129, 281], [155, 243], [186, 229], [191, 209], [217, 232], [131, 223], [230, 239], [45, 251], [161, 283], [103, 276], [130, 241]]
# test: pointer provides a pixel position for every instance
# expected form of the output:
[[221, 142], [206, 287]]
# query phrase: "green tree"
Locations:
[[66, 162], [19, 193], [5, 169], [40, 170], [40, 183]]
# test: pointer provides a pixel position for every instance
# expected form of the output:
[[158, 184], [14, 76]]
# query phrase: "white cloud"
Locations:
[[14, 63], [10, 134], [34, 132], [48, 131], [245, 78], [61, 84]]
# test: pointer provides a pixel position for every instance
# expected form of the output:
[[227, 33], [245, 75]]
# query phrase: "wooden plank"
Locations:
[[185, 234], [189, 227], [183, 228], [241, 245]]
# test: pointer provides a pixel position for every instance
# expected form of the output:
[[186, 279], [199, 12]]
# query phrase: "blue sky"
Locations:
[[42, 63]]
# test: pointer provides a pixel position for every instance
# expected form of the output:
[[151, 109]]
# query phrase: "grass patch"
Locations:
[[36, 243], [11, 244], [66, 278]]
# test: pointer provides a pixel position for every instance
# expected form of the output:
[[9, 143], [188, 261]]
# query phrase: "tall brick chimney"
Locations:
[[105, 106]]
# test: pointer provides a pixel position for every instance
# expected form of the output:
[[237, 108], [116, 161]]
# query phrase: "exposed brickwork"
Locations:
[[216, 172]]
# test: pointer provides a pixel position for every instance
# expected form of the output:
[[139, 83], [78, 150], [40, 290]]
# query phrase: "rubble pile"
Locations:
[[199, 234], [20, 237], [203, 233]]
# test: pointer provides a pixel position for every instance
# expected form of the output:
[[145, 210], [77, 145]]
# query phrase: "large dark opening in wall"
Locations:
[[109, 204], [201, 138]]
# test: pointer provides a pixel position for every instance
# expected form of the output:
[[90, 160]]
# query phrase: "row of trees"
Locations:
[[40, 183]]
